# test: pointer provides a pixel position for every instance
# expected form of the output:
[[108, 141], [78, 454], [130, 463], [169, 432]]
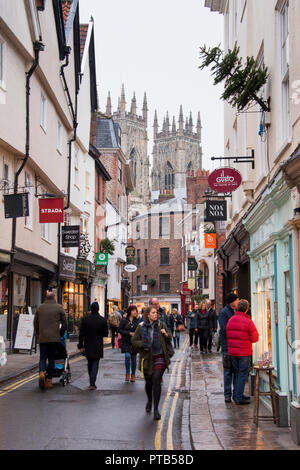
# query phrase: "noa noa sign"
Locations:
[[215, 211], [51, 210]]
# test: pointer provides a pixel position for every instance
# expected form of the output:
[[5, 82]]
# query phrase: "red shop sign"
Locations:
[[225, 180], [51, 210]]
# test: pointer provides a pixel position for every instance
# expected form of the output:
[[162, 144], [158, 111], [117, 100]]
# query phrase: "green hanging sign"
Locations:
[[101, 259]]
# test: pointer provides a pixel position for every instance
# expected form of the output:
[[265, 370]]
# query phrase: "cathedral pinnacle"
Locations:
[[191, 123], [133, 105], [123, 100], [108, 105], [145, 108], [174, 125], [181, 120], [199, 126], [155, 124]]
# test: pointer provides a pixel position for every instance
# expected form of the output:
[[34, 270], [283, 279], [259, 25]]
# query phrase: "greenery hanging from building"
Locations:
[[107, 246], [242, 82]]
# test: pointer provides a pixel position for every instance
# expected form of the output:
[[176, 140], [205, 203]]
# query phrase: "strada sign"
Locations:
[[225, 180], [51, 210]]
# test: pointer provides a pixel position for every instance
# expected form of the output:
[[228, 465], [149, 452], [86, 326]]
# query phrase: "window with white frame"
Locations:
[[2, 63], [5, 178], [46, 232], [285, 79], [120, 171], [43, 112], [59, 137], [28, 189]]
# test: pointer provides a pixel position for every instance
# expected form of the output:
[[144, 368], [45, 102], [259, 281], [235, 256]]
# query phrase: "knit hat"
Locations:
[[95, 307], [231, 298]]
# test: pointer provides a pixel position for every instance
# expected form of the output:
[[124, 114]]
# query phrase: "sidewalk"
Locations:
[[20, 363], [216, 425]]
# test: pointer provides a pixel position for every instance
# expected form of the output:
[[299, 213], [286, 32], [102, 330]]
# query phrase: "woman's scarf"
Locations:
[[150, 335]]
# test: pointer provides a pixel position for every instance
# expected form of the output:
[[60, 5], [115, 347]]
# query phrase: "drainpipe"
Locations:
[[38, 47], [75, 124]]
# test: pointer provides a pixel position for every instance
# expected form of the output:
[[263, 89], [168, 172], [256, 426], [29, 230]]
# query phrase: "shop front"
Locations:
[[98, 290], [272, 290]]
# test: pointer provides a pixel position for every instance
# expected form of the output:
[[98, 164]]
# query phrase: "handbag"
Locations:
[[170, 349], [180, 328], [118, 341]]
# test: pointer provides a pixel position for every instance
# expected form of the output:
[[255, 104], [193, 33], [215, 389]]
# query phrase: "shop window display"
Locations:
[[73, 302]]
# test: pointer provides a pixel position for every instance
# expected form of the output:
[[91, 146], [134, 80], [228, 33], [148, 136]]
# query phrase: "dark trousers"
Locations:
[[153, 386], [114, 332], [209, 340], [241, 370], [203, 336], [93, 366], [193, 336], [47, 351], [228, 379]]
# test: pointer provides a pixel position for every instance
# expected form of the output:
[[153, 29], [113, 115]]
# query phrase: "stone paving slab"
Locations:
[[216, 425]]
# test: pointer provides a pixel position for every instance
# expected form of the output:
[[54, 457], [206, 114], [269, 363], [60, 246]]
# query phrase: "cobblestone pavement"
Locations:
[[216, 425]]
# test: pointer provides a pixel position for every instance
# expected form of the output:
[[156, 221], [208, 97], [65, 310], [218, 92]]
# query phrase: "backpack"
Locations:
[[113, 319]]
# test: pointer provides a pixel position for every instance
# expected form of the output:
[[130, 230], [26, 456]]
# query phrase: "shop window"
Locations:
[[74, 301], [263, 319]]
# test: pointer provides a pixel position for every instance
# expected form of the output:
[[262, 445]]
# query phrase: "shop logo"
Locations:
[[225, 180], [51, 210]]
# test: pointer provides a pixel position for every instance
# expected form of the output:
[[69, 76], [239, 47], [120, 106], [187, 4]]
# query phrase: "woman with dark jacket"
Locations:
[[150, 340], [203, 326], [127, 327], [92, 330], [175, 320]]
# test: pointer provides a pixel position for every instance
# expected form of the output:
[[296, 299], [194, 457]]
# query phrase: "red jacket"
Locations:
[[241, 333]]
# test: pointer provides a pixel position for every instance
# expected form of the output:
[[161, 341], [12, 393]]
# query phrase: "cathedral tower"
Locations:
[[175, 152], [134, 143]]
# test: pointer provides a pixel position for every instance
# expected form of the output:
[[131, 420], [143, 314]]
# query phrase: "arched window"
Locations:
[[169, 176]]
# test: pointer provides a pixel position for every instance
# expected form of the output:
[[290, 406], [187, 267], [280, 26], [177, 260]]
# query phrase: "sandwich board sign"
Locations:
[[25, 332]]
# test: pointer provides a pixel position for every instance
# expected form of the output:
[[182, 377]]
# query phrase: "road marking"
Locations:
[[172, 412], [163, 413]]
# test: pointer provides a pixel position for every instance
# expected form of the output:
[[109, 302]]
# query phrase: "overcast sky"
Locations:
[[153, 46]]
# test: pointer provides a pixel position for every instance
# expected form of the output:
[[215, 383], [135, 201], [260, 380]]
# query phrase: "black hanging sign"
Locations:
[[70, 236], [192, 264], [16, 205], [215, 211]]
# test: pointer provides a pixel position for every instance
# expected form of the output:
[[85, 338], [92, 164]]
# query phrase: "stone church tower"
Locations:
[[175, 152], [134, 143]]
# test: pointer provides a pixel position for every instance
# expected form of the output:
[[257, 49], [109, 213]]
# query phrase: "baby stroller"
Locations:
[[62, 364]]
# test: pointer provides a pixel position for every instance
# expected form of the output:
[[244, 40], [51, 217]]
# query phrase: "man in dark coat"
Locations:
[[225, 314], [50, 325], [92, 330], [213, 323]]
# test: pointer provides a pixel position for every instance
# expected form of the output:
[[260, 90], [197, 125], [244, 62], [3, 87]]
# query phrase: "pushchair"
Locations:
[[62, 363]]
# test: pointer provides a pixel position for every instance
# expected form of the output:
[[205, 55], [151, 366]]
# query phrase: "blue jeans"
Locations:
[[176, 339], [130, 357], [228, 378], [93, 366], [47, 351], [241, 371]]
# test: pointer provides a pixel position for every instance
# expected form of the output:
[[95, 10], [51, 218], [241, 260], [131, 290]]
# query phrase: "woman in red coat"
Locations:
[[241, 333]]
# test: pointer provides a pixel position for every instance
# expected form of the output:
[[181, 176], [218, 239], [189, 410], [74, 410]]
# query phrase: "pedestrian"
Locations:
[[192, 327], [241, 333], [92, 330], [225, 314], [175, 320], [150, 340], [140, 316], [114, 319], [203, 326], [162, 315], [50, 324], [213, 322], [127, 327]]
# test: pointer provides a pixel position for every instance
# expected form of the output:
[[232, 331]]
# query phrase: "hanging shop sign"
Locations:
[[210, 240], [70, 236], [101, 259], [67, 267], [192, 283], [215, 211], [82, 267], [16, 205], [130, 251], [51, 210], [130, 268], [225, 180], [192, 264]]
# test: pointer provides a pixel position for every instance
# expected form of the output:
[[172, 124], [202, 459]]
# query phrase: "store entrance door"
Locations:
[[288, 334]]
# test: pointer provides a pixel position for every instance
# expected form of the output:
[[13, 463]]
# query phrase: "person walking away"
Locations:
[[176, 320], [150, 340], [241, 334], [192, 326], [114, 319], [92, 330], [225, 314], [140, 316], [50, 324], [203, 326], [127, 327], [213, 323]]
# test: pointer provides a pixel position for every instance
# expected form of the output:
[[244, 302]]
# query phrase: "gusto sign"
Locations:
[[51, 210], [225, 180]]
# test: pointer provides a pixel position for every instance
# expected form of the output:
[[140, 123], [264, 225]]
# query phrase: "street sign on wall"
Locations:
[[16, 205], [215, 211], [51, 210], [225, 180]]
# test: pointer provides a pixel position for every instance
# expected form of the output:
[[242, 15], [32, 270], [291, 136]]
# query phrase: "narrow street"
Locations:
[[110, 418]]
